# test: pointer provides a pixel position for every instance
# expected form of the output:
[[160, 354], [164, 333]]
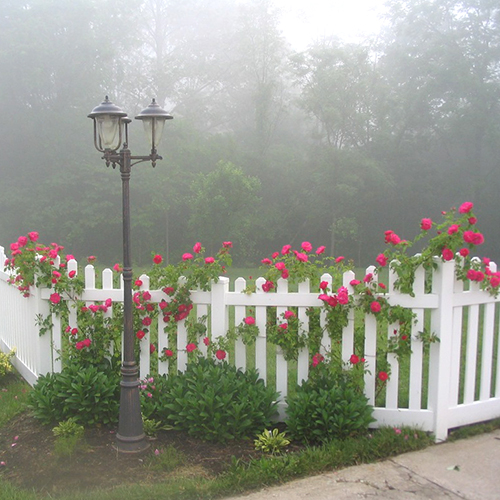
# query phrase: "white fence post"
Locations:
[[440, 352]]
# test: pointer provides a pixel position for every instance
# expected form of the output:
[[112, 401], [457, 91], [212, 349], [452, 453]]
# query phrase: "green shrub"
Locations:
[[87, 395], [5, 364], [216, 402], [327, 407]]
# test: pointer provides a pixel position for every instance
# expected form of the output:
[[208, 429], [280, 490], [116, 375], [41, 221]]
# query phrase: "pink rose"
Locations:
[[157, 259], [280, 266], [466, 207], [22, 240], [317, 359], [302, 257], [495, 280], [220, 354], [190, 347], [339, 259], [206, 341], [381, 259], [79, 345], [289, 314], [375, 307], [117, 268], [453, 229], [33, 236], [268, 285], [266, 262], [286, 249], [285, 274], [197, 247], [474, 238], [368, 277], [91, 258], [72, 274], [320, 250], [249, 320], [472, 220], [152, 348], [323, 285], [55, 298], [187, 256], [227, 244], [209, 260], [87, 342], [168, 352], [426, 224], [306, 246], [464, 252], [447, 254], [146, 321], [343, 295], [354, 282], [14, 246]]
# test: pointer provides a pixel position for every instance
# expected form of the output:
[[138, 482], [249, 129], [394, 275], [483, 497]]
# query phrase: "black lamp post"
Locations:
[[110, 131]]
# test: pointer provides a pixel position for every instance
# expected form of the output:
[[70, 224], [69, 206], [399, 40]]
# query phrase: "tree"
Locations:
[[225, 207]]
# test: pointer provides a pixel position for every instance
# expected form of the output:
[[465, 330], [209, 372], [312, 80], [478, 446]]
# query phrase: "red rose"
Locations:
[[220, 354], [354, 359], [383, 376]]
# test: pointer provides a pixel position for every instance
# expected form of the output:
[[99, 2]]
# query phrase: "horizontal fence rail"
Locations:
[[450, 383]]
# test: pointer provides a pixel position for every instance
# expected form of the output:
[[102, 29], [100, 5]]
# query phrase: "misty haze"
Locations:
[[270, 145]]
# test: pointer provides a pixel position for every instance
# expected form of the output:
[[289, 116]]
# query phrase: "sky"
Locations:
[[351, 20]]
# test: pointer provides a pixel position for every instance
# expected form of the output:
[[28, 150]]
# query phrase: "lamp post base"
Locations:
[[134, 444]]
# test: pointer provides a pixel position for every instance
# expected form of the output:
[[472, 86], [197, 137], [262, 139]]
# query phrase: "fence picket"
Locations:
[[240, 353], [260, 342]]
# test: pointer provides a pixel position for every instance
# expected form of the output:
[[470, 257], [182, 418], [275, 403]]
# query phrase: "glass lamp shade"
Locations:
[[108, 121], [153, 118], [109, 129]]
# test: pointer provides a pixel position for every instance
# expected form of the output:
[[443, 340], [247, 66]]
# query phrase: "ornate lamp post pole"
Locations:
[[110, 131]]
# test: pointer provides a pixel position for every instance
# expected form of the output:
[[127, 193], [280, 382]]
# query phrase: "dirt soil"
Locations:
[[28, 459]]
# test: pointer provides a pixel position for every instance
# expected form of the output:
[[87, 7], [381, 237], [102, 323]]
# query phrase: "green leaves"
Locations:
[[215, 401], [87, 395], [327, 407]]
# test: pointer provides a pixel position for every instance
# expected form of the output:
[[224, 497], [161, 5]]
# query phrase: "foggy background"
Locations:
[[279, 135]]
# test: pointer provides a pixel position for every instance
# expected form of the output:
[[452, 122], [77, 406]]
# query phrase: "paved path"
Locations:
[[466, 469]]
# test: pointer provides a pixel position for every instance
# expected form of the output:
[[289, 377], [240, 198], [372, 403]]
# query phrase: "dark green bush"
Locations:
[[87, 395], [327, 407], [216, 402]]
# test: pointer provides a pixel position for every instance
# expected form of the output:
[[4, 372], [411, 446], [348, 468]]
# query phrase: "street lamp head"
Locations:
[[153, 118], [108, 125]]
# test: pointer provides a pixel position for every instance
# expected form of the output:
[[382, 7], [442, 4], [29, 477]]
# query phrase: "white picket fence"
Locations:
[[460, 377]]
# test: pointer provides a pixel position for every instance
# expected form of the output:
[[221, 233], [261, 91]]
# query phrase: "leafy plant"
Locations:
[[216, 402], [271, 441], [5, 364], [68, 428], [88, 395], [326, 407], [152, 426], [68, 437]]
